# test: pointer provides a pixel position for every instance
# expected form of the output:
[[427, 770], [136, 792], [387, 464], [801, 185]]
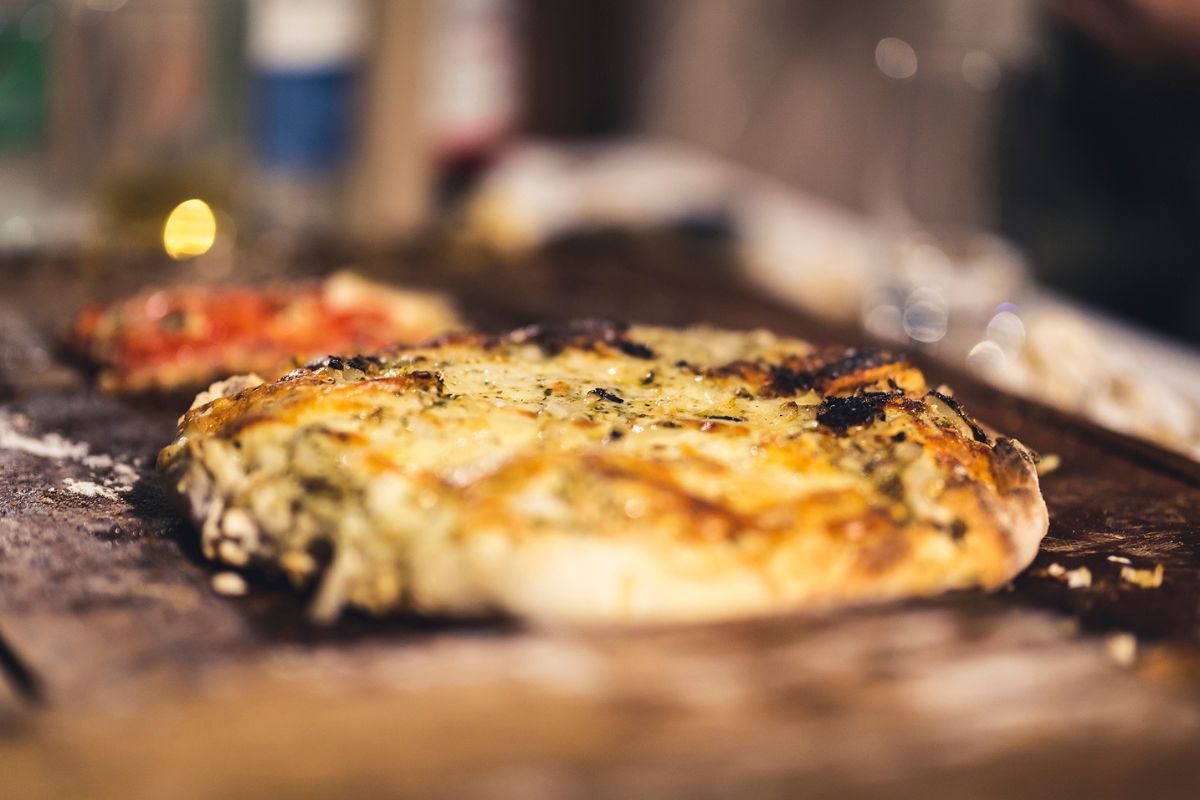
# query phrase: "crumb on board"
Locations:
[[1122, 648], [1145, 578], [1078, 578], [229, 583], [1048, 463], [90, 489], [1118, 559]]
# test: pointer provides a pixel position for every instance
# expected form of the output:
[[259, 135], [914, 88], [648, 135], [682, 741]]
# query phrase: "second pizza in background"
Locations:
[[184, 337]]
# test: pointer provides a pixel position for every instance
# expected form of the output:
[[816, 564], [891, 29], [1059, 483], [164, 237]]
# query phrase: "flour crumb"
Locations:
[[1145, 578], [1078, 578], [229, 584], [90, 489], [118, 477], [1122, 649]]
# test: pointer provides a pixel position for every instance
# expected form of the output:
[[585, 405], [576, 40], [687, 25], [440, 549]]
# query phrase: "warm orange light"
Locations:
[[190, 230]]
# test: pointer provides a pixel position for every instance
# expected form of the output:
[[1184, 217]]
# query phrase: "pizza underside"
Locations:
[[595, 472]]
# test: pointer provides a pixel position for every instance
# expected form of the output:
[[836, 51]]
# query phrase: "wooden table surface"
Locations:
[[122, 674]]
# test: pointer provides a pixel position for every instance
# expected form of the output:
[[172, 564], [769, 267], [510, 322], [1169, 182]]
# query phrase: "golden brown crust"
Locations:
[[599, 472]]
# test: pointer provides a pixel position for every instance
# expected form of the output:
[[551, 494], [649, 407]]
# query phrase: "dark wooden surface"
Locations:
[[125, 675]]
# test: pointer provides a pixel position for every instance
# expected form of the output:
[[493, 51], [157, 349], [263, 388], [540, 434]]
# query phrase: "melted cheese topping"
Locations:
[[607, 473]]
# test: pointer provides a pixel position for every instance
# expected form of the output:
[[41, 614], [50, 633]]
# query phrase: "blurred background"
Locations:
[[949, 175]]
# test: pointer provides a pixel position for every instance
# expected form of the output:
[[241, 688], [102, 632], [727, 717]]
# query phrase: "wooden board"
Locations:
[[126, 675]]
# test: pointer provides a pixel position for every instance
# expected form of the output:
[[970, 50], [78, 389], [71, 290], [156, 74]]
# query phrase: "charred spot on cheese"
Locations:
[[957, 529], [956, 409], [586, 334], [634, 349], [826, 371], [839, 414], [332, 362], [425, 379], [363, 363], [605, 394], [752, 372]]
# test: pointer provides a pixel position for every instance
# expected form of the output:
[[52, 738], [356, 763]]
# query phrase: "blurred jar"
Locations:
[[306, 59], [472, 103], [35, 210], [146, 109]]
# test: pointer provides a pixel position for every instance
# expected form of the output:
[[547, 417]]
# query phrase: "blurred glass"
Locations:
[[947, 290], [112, 112], [943, 282], [144, 81], [26, 204]]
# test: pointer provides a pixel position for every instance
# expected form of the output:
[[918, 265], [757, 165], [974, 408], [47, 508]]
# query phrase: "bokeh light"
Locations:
[[190, 230], [896, 58]]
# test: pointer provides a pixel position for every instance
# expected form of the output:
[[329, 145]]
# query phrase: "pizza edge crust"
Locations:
[[588, 579], [1028, 516]]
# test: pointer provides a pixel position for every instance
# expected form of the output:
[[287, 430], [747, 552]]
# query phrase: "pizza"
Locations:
[[595, 472], [184, 337]]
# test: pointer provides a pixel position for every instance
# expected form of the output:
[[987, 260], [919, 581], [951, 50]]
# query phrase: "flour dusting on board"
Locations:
[[90, 489], [49, 446], [112, 477]]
